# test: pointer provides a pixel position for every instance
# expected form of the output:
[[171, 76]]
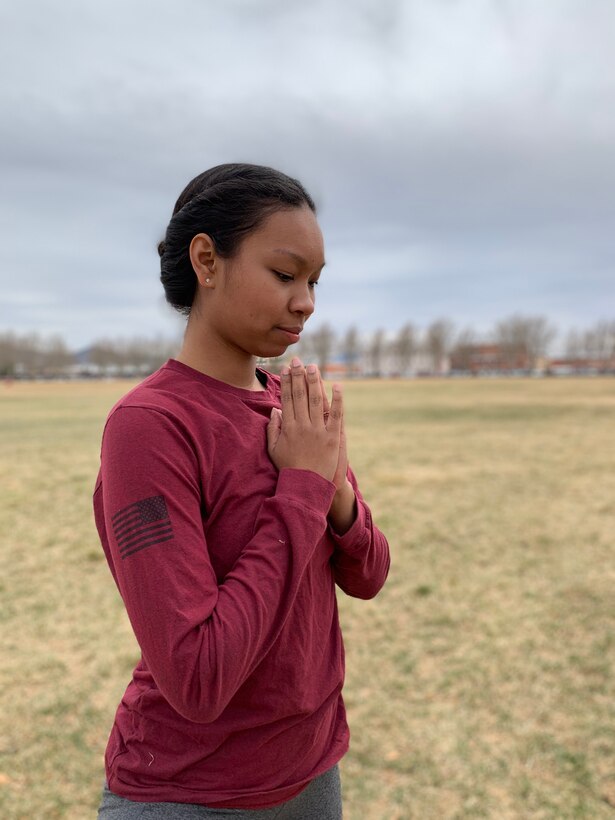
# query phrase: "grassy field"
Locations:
[[480, 681]]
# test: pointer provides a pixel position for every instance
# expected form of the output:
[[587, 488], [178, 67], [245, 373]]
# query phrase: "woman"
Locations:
[[227, 512]]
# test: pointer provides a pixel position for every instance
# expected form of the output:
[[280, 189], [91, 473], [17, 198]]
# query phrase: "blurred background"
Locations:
[[461, 154], [462, 157]]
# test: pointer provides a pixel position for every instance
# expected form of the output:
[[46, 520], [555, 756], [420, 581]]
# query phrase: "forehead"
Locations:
[[295, 230]]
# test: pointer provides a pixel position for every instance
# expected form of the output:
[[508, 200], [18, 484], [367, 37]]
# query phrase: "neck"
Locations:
[[211, 355]]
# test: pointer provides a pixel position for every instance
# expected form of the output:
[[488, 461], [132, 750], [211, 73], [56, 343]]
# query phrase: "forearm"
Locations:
[[343, 511], [361, 559]]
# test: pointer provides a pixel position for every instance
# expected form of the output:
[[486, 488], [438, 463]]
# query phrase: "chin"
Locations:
[[269, 351]]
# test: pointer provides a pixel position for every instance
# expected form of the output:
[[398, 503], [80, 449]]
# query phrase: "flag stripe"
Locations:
[[143, 546], [128, 535], [130, 524], [132, 508], [138, 539]]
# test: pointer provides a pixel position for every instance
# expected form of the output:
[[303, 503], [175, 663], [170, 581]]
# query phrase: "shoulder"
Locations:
[[143, 429], [158, 401]]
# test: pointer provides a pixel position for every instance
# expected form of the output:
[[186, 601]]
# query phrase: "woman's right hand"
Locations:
[[297, 436]]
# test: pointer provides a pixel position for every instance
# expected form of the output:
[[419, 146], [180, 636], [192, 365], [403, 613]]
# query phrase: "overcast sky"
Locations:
[[461, 152]]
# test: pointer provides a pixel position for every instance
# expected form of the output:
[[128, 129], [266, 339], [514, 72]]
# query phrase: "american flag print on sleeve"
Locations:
[[142, 525]]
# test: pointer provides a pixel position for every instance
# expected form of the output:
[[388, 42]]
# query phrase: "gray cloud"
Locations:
[[462, 153]]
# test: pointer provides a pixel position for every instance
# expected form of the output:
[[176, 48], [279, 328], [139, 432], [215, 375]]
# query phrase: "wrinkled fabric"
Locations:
[[227, 569]]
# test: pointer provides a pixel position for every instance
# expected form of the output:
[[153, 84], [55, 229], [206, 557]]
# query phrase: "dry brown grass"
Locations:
[[480, 681]]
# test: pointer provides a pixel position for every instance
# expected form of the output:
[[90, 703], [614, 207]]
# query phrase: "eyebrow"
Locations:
[[297, 257]]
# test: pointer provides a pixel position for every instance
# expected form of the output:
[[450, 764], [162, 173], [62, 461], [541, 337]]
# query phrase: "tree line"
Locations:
[[520, 343], [36, 355]]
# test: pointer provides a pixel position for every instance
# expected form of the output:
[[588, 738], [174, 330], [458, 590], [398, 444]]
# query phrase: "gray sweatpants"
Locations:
[[321, 800]]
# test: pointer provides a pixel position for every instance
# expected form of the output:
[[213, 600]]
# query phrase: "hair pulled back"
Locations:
[[226, 202]]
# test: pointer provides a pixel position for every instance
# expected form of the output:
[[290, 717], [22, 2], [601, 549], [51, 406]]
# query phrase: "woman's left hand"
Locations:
[[340, 478], [343, 510]]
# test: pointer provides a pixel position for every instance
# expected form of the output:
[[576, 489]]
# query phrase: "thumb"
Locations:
[[274, 428]]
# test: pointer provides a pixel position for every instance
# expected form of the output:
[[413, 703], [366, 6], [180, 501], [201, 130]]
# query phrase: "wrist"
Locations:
[[345, 492], [343, 510]]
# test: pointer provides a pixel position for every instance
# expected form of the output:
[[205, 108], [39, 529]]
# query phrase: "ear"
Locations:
[[203, 258]]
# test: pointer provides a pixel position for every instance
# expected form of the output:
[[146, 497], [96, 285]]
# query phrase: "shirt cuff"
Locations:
[[354, 539]]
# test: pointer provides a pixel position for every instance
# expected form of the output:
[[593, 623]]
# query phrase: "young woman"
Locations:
[[228, 513]]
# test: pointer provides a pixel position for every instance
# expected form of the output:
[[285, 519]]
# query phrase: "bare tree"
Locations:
[[56, 355], [610, 346], [438, 342], [510, 335], [106, 353], [23, 354], [133, 356], [574, 345], [404, 347], [540, 334], [8, 353], [32, 355], [463, 348], [147, 355], [303, 349], [322, 341], [351, 350], [375, 353], [523, 340], [599, 341]]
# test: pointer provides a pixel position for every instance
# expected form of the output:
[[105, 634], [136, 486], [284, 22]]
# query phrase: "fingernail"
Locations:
[[311, 368], [296, 361], [285, 371]]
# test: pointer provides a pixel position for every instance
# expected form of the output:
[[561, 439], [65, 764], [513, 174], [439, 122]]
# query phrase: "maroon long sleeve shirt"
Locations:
[[227, 569]]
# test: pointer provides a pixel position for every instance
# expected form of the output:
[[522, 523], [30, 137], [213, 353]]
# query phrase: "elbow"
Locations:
[[373, 573], [365, 590], [367, 585], [370, 591], [191, 700], [195, 709], [196, 713]]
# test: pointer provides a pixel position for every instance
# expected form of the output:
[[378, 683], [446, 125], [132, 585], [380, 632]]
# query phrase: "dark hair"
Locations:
[[226, 202]]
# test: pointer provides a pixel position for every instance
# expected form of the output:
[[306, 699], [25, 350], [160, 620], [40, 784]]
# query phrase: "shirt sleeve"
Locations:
[[200, 639], [361, 558]]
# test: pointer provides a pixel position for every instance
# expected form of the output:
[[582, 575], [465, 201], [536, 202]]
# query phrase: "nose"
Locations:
[[302, 299]]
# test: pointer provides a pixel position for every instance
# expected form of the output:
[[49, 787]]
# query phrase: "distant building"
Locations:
[[488, 358], [579, 366]]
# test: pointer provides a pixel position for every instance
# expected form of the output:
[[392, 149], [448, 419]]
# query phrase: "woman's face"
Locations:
[[264, 295]]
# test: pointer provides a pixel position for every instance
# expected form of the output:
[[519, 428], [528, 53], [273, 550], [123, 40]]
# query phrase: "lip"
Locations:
[[292, 333]]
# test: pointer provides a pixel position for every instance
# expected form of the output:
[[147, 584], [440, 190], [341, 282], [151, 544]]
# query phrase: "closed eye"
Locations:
[[283, 277]]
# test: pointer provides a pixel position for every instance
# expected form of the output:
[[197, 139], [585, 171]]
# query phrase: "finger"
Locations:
[[288, 413], [299, 390], [336, 412], [274, 428], [314, 394], [342, 439], [325, 399], [325, 402], [342, 433]]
